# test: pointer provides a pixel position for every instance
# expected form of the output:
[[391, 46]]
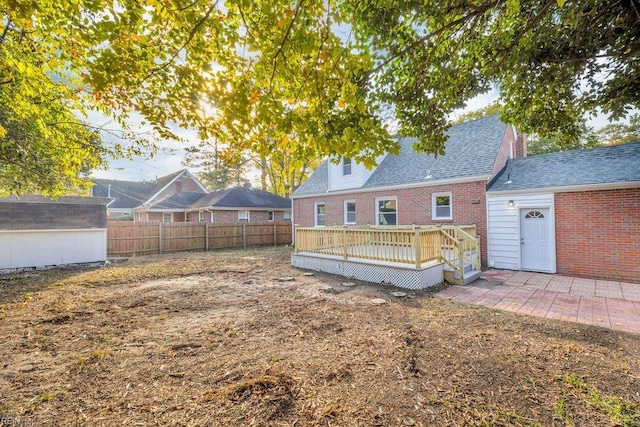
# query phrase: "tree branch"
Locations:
[[190, 37], [284, 40], [477, 11]]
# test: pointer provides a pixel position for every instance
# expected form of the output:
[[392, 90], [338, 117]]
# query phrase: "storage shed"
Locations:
[[36, 231]]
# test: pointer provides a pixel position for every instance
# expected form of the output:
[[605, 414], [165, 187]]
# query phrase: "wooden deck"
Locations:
[[408, 247]]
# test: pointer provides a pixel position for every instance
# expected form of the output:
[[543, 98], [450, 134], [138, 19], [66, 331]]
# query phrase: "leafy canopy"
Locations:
[[311, 78], [553, 60]]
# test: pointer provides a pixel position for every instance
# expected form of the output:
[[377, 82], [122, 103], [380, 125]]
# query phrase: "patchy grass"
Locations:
[[214, 338]]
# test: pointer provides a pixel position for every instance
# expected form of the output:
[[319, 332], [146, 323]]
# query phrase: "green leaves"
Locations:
[[311, 78]]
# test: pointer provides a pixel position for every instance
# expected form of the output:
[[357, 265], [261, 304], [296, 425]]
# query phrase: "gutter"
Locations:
[[397, 187], [569, 188]]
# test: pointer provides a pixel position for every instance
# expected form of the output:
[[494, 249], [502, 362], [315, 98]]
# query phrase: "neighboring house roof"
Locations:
[[126, 194], [242, 197], [130, 194], [602, 165], [177, 201], [470, 150]]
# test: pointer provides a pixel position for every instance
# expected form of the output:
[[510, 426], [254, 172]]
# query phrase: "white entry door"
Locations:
[[535, 239]]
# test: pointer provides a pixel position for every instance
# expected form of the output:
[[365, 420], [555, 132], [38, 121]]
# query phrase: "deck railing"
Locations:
[[415, 245]]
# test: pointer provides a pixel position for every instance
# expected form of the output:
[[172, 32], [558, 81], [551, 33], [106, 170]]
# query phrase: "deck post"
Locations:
[[294, 233], [439, 243], [478, 265], [460, 253], [344, 242], [418, 246]]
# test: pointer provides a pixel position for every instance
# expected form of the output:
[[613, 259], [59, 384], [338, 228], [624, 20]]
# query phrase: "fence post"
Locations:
[[160, 237], [275, 234], [418, 247], [244, 236], [206, 237]]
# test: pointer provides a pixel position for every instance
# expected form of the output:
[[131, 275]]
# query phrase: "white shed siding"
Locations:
[[503, 226], [39, 248], [359, 175]]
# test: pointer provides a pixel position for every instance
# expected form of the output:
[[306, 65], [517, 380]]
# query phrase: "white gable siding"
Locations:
[[503, 227], [359, 175]]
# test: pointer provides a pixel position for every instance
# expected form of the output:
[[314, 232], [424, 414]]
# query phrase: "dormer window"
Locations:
[[346, 166]]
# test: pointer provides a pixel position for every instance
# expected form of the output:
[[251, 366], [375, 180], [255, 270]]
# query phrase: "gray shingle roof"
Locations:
[[65, 200], [470, 150], [242, 197], [129, 194], [178, 201], [602, 165], [317, 183]]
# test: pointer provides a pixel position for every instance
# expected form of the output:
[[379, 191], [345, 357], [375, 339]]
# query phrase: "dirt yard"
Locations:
[[208, 339]]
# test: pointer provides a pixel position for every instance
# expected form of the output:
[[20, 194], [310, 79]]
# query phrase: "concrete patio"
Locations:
[[614, 305]]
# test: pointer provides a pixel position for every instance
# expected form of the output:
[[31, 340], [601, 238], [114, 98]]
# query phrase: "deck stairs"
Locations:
[[452, 276]]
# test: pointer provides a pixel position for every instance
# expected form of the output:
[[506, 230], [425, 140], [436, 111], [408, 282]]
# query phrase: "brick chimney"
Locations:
[[520, 149]]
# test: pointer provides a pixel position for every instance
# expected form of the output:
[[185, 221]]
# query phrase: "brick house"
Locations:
[[236, 204], [413, 188], [128, 195], [180, 197], [575, 213]]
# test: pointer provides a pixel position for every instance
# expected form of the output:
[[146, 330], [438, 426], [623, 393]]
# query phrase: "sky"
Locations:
[[169, 159]]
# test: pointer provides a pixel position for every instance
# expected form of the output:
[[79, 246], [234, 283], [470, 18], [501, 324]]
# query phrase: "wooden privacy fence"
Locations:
[[126, 238], [451, 244]]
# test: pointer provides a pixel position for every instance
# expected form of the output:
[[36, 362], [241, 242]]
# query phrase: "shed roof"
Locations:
[[67, 200], [602, 165]]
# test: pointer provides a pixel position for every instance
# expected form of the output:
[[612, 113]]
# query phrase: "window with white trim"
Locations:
[[243, 216], [387, 211], [349, 211], [167, 217], [319, 215], [346, 166], [441, 206], [270, 216], [286, 215], [201, 216]]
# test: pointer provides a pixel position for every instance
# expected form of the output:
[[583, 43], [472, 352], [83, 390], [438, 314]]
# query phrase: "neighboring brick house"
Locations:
[[576, 213], [179, 197], [244, 204], [128, 195], [413, 188]]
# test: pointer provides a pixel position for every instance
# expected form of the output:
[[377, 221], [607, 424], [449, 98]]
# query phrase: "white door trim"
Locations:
[[551, 234]]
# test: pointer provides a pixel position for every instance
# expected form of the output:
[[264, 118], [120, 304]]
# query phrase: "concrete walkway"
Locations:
[[614, 305]]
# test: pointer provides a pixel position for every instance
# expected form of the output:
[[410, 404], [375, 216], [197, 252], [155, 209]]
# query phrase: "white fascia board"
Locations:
[[452, 181], [569, 188], [160, 210], [53, 230], [240, 208]]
